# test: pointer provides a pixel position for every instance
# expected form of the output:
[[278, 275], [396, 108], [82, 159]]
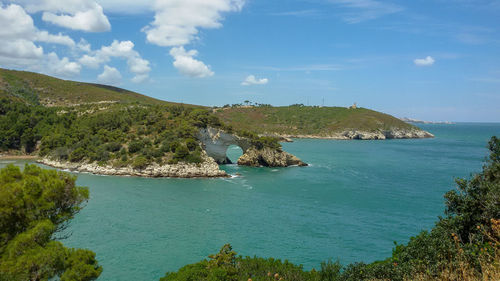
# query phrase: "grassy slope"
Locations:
[[56, 92], [307, 120]]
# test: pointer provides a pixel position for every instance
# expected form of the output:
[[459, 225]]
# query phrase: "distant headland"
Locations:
[[107, 130], [416, 121]]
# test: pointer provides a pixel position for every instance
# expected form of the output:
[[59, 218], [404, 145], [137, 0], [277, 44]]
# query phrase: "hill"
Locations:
[[285, 121], [318, 122], [45, 90]]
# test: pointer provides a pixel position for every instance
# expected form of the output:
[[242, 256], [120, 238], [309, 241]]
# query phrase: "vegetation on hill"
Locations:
[[307, 120], [118, 134], [463, 245], [35, 204], [37, 88]]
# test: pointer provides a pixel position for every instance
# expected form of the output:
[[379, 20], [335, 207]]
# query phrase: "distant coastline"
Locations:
[[363, 135], [416, 121]]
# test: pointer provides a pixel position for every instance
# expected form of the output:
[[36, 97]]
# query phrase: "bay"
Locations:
[[353, 201]]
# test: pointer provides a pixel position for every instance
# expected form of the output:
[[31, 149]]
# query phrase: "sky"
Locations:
[[426, 59]]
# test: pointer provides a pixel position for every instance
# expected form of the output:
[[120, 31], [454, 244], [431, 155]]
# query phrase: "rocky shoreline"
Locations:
[[363, 135], [207, 169], [269, 158]]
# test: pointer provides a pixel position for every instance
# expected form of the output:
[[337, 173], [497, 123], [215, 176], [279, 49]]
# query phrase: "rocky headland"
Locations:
[[364, 135], [269, 158], [215, 143]]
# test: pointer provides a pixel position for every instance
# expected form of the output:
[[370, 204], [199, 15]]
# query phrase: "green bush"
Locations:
[[181, 152], [113, 147], [77, 155], [191, 144], [140, 162], [135, 146]]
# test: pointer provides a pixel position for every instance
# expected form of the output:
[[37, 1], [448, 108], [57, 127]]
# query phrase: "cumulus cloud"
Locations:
[[187, 65], [84, 15], [251, 80], [177, 23], [19, 36], [44, 36], [110, 75], [62, 67], [428, 61], [119, 49]]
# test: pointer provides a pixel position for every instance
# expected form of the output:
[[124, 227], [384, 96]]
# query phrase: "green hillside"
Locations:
[[46, 90], [307, 120], [295, 120]]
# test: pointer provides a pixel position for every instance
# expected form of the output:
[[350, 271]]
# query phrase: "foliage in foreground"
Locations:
[[34, 205], [463, 245]]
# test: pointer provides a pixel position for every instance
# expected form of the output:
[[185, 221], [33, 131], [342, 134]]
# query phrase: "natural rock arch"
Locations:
[[216, 143]]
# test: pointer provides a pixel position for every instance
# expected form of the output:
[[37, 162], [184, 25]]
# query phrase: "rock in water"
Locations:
[[269, 157]]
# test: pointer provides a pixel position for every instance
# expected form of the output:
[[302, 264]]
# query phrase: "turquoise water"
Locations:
[[355, 199]]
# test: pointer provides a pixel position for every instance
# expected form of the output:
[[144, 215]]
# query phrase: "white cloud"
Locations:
[[177, 21], [119, 49], [84, 46], [110, 75], [44, 36], [428, 61], [251, 80], [187, 65], [62, 67], [363, 10], [18, 36], [20, 49], [84, 15]]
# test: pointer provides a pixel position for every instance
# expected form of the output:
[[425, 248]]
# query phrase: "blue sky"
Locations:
[[425, 59]]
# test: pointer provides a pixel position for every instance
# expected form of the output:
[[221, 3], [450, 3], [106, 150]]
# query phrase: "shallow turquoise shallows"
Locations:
[[351, 203]]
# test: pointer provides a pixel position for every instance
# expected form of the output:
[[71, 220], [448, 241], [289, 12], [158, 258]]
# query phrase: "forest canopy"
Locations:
[[35, 205]]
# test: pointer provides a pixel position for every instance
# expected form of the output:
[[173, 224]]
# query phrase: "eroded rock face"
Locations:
[[207, 169], [215, 142], [269, 157], [364, 135]]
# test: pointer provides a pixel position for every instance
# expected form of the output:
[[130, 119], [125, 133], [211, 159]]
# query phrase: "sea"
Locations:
[[351, 204]]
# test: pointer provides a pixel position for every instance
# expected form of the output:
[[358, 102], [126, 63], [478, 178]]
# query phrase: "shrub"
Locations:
[[135, 146], [181, 152], [191, 144], [113, 146], [194, 157], [77, 155], [140, 162]]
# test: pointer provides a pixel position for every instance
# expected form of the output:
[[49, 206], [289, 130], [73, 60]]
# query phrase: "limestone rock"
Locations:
[[207, 169], [365, 135], [269, 157]]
